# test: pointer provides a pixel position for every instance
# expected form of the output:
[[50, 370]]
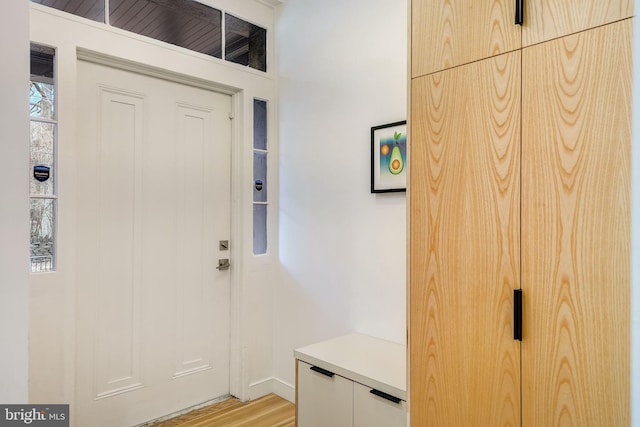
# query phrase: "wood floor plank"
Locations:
[[268, 411], [198, 413]]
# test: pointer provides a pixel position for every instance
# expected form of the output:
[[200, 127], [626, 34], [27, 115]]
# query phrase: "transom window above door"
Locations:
[[185, 23]]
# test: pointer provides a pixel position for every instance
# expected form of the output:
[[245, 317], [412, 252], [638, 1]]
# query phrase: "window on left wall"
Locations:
[[42, 164]]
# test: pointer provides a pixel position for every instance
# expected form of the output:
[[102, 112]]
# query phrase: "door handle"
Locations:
[[519, 12], [517, 314], [223, 264]]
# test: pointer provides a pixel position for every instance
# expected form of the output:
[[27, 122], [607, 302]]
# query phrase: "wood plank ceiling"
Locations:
[[185, 23]]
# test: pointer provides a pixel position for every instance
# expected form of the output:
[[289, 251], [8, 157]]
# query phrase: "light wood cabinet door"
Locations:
[[549, 19], [448, 33], [464, 245], [575, 229]]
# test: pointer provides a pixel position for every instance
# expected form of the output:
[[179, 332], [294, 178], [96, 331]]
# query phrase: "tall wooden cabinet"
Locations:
[[448, 33], [520, 179], [575, 228], [549, 19], [464, 240]]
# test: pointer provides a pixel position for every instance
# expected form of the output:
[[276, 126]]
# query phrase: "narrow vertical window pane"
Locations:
[[260, 176], [42, 234], [260, 156], [41, 90], [245, 43], [259, 124], [91, 9], [259, 229], [41, 100], [42, 152], [42, 162]]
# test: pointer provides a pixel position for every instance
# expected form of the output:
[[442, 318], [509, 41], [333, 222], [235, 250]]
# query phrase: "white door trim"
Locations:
[[238, 372], [152, 71]]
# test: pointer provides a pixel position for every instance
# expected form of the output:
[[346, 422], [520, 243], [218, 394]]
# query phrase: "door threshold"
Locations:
[[184, 411]]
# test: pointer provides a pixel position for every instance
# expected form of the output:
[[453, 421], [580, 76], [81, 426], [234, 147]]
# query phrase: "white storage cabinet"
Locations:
[[354, 380]]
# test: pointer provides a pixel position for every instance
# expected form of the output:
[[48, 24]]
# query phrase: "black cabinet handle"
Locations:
[[519, 12], [322, 371], [517, 314], [384, 395]]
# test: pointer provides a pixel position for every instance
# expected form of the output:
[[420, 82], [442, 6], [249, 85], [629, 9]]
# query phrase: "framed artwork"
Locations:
[[389, 157]]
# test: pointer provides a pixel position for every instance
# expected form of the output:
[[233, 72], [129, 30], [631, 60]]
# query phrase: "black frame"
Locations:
[[374, 151]]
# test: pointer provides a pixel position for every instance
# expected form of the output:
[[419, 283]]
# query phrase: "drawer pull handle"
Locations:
[[322, 371], [384, 395]]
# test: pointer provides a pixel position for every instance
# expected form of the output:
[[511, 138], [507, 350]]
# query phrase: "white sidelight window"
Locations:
[[42, 165], [260, 157]]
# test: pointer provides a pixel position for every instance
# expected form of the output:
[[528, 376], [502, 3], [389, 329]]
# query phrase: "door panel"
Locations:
[[575, 229], [464, 248], [119, 161], [153, 201], [549, 19], [194, 255], [456, 32]]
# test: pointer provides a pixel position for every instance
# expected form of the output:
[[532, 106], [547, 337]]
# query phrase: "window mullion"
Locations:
[[44, 120]]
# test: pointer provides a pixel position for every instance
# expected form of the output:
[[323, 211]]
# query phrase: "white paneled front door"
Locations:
[[153, 204]]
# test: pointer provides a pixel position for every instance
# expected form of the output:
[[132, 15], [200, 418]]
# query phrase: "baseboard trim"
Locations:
[[272, 385], [260, 388], [284, 390]]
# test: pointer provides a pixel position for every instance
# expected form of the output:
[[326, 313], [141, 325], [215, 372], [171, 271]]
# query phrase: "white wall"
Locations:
[[14, 207], [342, 69]]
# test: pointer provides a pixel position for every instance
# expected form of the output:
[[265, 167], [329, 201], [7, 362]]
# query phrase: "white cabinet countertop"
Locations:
[[374, 362]]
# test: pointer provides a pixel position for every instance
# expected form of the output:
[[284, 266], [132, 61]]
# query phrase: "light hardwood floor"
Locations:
[[268, 411]]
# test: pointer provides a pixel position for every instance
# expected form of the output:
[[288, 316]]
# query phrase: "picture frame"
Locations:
[[389, 157]]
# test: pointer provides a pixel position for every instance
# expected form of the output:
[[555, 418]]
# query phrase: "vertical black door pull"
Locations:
[[517, 314], [519, 12]]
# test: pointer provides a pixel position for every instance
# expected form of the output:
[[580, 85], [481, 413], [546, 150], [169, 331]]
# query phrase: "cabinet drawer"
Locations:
[[323, 399], [371, 410]]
